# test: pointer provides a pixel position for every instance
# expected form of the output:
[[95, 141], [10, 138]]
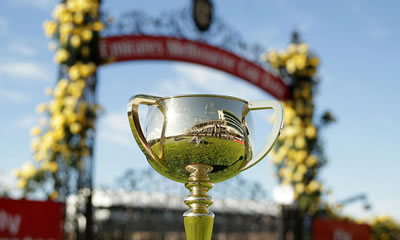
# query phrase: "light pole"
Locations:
[[355, 198]]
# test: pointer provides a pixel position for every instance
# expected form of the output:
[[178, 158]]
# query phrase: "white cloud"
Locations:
[[8, 183], [27, 121], [7, 179], [25, 70], [13, 96], [22, 49], [198, 79], [40, 4], [3, 26], [114, 128]]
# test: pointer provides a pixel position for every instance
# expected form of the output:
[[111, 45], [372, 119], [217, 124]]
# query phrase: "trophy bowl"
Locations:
[[199, 140]]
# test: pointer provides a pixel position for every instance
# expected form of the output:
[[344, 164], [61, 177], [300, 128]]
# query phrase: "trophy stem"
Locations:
[[198, 220]]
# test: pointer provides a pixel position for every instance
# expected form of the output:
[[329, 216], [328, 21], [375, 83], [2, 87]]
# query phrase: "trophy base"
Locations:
[[198, 220]]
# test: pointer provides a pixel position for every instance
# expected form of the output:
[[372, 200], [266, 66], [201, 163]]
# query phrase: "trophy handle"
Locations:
[[133, 115], [276, 128]]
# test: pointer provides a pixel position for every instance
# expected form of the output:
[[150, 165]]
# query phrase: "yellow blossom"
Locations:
[[59, 134], [314, 61], [61, 55], [50, 28], [300, 156], [54, 195], [35, 131], [65, 17], [289, 114], [57, 121], [53, 166], [49, 166], [47, 140], [299, 188], [37, 157], [21, 183], [300, 142], [292, 48], [35, 144], [302, 48], [75, 128], [59, 9], [86, 35], [28, 170], [311, 161], [55, 106], [290, 131], [76, 88], [41, 108], [62, 83], [59, 92], [70, 116], [298, 176], [272, 57], [77, 31], [79, 18], [306, 92], [313, 186], [300, 61], [66, 29], [75, 41], [70, 102], [73, 72], [98, 26], [302, 168], [291, 65], [311, 132], [84, 70]]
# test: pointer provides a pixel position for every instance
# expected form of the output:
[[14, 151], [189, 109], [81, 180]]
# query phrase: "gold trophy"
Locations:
[[199, 140]]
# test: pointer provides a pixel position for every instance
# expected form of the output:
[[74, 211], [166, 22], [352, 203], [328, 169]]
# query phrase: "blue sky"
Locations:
[[357, 41]]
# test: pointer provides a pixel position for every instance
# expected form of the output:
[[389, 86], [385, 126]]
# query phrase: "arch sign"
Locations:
[[149, 47]]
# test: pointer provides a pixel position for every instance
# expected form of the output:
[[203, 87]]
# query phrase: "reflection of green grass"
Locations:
[[219, 153]]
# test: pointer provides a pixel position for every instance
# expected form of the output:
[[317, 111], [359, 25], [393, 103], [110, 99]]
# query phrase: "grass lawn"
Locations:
[[226, 156]]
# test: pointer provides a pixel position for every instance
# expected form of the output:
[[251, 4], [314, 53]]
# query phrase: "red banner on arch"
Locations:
[[147, 47]]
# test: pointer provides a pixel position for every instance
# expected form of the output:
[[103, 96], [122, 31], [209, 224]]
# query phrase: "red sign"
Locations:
[[324, 229], [145, 47], [30, 220]]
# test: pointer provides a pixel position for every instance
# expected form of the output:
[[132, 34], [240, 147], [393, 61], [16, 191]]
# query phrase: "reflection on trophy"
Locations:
[[200, 140]]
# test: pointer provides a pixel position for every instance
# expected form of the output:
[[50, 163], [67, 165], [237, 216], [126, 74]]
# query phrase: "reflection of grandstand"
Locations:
[[227, 126], [232, 121]]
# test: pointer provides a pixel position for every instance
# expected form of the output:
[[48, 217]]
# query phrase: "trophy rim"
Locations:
[[204, 95]]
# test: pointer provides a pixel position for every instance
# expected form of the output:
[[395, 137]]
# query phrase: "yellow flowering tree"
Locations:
[[385, 228], [298, 154], [63, 142]]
